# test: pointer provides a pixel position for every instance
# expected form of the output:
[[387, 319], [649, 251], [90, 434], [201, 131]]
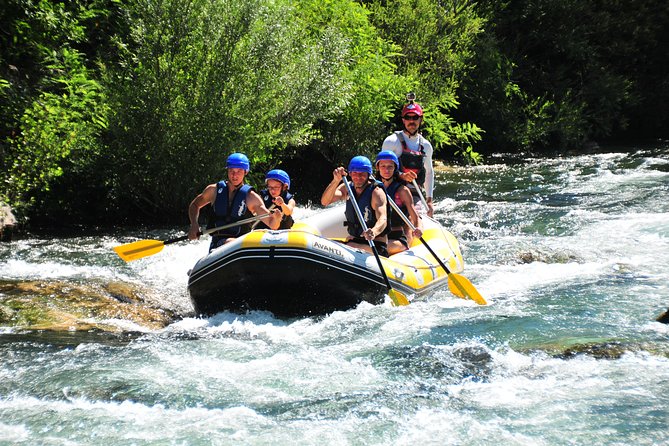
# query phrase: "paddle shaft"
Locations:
[[420, 194], [397, 209], [255, 225], [364, 228], [220, 228], [143, 248]]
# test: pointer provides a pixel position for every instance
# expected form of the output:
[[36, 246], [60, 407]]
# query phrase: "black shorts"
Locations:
[[381, 247], [399, 236]]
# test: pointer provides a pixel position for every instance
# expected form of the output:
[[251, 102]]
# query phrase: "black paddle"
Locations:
[[395, 296], [459, 285]]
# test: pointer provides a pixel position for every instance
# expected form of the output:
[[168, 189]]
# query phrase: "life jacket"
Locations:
[[226, 212], [287, 220], [365, 204], [411, 160], [395, 221]]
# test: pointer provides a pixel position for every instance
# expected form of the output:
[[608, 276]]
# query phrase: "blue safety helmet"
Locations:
[[388, 155], [278, 175], [239, 161], [360, 164]]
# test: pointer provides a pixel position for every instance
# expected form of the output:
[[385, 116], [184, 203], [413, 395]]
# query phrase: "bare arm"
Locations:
[[334, 191], [407, 200], [286, 208], [255, 204], [207, 196], [429, 178], [379, 205]]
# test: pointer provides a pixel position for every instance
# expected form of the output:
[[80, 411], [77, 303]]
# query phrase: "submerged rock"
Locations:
[[607, 350], [663, 318], [604, 349], [535, 255], [67, 306]]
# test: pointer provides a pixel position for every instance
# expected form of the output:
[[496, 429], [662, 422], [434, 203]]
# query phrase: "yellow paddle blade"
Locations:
[[455, 287], [462, 287], [137, 250], [397, 298]]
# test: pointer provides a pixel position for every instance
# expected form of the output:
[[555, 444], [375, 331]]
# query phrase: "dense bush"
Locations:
[[53, 109], [557, 74], [116, 110]]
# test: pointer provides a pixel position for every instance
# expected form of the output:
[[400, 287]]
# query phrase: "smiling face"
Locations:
[[359, 179], [274, 187], [386, 168], [236, 176]]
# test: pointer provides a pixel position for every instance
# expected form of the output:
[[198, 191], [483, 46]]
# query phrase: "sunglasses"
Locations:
[[411, 117]]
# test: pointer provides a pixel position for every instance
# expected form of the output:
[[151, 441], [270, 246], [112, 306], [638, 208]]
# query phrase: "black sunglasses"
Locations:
[[411, 117]]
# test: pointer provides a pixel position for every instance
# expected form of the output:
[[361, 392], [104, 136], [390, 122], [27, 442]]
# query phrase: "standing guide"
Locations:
[[414, 153]]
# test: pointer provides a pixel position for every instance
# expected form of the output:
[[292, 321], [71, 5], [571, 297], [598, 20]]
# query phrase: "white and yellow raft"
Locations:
[[306, 270]]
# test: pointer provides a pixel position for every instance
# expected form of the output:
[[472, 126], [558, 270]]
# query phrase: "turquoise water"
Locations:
[[567, 251]]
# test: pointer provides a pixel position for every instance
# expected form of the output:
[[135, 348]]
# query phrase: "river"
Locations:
[[571, 253]]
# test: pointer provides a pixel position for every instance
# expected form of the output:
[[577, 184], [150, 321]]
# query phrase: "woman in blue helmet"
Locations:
[[231, 201], [276, 196], [400, 236], [371, 199]]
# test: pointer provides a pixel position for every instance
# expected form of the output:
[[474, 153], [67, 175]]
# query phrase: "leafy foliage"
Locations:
[[132, 106], [57, 109], [200, 80], [437, 41], [555, 74]]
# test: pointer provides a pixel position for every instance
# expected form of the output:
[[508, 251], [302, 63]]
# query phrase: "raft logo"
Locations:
[[327, 248]]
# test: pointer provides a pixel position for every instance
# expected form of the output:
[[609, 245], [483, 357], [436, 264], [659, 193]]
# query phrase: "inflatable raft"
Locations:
[[307, 271]]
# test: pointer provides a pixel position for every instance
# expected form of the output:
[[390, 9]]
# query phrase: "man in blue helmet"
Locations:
[[399, 237], [371, 199], [276, 196], [231, 201], [414, 152]]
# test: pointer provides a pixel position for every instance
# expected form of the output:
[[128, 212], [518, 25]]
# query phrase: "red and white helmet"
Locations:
[[412, 107]]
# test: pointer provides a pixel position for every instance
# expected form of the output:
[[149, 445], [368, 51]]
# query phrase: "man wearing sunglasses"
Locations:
[[414, 153]]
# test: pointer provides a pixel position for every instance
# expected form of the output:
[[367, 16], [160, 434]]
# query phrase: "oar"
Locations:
[[420, 194], [144, 248], [396, 297], [459, 285]]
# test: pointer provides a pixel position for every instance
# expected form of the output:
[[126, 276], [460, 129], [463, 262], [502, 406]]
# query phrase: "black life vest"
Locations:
[[287, 220], [365, 204], [395, 221], [411, 160]]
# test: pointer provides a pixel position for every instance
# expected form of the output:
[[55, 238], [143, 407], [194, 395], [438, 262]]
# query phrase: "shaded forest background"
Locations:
[[119, 112]]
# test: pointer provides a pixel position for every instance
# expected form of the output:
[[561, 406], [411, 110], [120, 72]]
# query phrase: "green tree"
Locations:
[[557, 74], [369, 84], [200, 80], [53, 109], [437, 40]]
